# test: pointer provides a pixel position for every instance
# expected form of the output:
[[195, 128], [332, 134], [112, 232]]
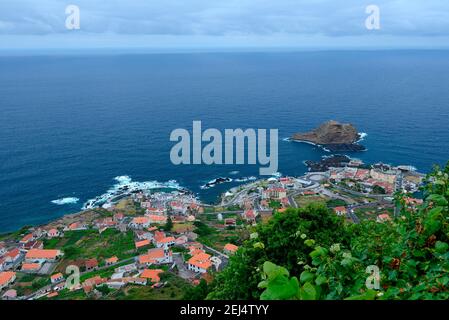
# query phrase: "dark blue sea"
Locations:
[[70, 124]]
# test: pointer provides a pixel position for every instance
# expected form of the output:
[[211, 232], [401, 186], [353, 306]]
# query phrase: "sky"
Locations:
[[225, 24]]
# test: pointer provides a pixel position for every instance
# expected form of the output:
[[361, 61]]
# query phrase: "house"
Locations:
[[178, 219], [105, 223], [140, 222], [111, 260], [31, 267], [143, 243], [53, 233], [10, 294], [199, 263], [192, 236], [158, 235], [118, 217], [250, 215], [52, 295], [412, 203], [230, 222], [76, 226], [91, 283], [6, 278], [165, 242], [156, 256], [42, 255], [383, 176], [59, 286], [91, 264], [181, 240], [274, 193], [286, 182], [178, 207], [230, 248], [155, 219], [27, 238], [152, 274], [340, 211], [361, 174], [155, 211], [144, 235], [137, 280], [309, 193], [285, 202], [383, 217], [12, 256], [145, 204], [56, 278], [34, 244], [193, 251]]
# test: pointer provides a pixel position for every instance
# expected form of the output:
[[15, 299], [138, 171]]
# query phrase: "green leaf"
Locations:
[[281, 288], [307, 292], [368, 295], [263, 284], [319, 251], [272, 270], [441, 247], [320, 280], [438, 199], [309, 242]]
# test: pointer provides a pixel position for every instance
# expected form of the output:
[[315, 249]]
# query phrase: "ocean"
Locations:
[[71, 124]]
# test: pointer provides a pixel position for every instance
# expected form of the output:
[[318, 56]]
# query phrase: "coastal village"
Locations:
[[156, 245]]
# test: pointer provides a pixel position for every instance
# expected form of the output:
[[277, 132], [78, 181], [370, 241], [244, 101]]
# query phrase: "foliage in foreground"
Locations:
[[310, 254]]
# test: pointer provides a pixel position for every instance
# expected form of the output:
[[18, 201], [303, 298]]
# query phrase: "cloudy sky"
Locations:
[[178, 24]]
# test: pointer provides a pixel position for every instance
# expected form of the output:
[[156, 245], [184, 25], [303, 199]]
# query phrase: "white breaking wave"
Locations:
[[362, 135], [126, 186], [63, 201], [246, 179]]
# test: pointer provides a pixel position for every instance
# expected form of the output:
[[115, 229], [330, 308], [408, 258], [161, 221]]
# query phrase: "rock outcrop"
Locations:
[[334, 136]]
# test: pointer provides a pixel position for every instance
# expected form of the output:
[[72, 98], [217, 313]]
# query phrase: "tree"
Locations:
[[379, 190], [168, 225], [280, 240], [198, 292]]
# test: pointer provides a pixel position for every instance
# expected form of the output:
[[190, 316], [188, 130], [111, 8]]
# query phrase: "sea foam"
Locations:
[[125, 186], [63, 201]]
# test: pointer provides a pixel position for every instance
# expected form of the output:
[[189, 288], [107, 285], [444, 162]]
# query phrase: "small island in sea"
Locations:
[[333, 136]]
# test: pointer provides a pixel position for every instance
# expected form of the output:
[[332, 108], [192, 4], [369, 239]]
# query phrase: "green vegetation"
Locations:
[[309, 254], [198, 292], [332, 203], [173, 290], [277, 241], [233, 208], [168, 225], [304, 201], [91, 244], [203, 229], [378, 190], [274, 204]]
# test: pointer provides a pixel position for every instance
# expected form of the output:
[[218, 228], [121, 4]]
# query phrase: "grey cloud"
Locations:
[[212, 17]]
